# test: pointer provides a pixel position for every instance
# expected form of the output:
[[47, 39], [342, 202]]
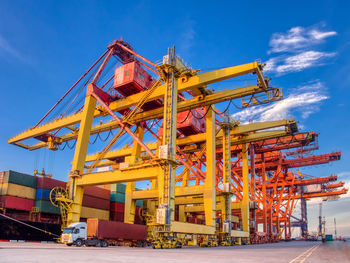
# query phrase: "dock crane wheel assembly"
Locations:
[[59, 198]]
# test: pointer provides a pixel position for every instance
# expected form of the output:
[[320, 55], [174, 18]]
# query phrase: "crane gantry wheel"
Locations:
[[58, 192]]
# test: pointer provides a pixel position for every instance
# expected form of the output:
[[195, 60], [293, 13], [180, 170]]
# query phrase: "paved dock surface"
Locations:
[[289, 252]]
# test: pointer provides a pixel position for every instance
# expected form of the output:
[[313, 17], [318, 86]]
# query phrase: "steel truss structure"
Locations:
[[213, 179]]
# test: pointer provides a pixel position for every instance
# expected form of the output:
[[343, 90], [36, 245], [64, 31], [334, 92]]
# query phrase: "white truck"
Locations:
[[76, 234], [101, 233]]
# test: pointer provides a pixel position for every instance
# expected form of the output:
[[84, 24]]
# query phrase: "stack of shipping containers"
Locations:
[[118, 204], [17, 193], [27, 198], [47, 211], [95, 203]]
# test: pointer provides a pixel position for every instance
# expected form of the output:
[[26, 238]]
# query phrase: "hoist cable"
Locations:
[[42, 230]]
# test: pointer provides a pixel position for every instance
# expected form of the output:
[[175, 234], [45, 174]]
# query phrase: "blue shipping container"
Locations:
[[42, 194]]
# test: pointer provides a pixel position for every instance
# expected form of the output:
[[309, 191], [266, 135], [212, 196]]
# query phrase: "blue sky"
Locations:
[[46, 45]]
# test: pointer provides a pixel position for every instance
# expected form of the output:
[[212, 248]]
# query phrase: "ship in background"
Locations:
[[26, 212]]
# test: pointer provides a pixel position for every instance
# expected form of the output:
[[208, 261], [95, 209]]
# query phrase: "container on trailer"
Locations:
[[49, 183], [17, 190], [105, 229], [12, 202], [18, 178], [97, 192]]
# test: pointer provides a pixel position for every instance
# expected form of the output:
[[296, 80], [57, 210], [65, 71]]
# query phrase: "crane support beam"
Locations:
[[201, 137], [196, 102], [184, 83], [131, 174]]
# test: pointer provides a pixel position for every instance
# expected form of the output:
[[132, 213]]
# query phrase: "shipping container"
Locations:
[[49, 183], [17, 203], [188, 123], [117, 207], [46, 206], [120, 198], [42, 194], [88, 212], [17, 190], [117, 197], [97, 192], [117, 216], [119, 188], [95, 202], [104, 229], [18, 178], [131, 78]]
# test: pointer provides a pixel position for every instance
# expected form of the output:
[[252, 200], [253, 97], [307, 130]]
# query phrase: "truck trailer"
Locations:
[[102, 233]]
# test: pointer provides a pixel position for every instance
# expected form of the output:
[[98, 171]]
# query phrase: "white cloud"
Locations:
[[304, 100], [295, 63], [187, 37], [295, 48], [298, 38], [7, 48]]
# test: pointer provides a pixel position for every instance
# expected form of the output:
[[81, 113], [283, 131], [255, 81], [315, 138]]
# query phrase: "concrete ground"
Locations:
[[289, 252]]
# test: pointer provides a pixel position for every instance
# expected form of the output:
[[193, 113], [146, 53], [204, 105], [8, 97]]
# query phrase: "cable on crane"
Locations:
[[189, 112], [71, 147], [97, 135], [42, 230], [199, 118]]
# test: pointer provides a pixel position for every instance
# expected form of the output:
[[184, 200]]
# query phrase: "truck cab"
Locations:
[[74, 234]]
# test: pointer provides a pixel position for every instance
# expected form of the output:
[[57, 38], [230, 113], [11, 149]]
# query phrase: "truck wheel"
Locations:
[[69, 244], [78, 242], [104, 243], [98, 243]]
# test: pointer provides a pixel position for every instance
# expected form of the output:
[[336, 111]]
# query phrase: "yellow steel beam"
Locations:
[[179, 191], [76, 191], [147, 115], [200, 138], [187, 228], [237, 233], [130, 204], [184, 83], [245, 180], [210, 180], [134, 173]]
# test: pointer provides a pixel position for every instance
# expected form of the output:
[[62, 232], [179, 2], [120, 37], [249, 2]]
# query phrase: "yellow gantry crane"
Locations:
[[158, 162]]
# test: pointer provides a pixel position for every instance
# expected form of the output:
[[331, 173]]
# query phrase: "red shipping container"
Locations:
[[96, 202], [117, 207], [116, 230], [18, 203], [117, 216], [97, 192], [49, 183], [131, 78], [188, 123]]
